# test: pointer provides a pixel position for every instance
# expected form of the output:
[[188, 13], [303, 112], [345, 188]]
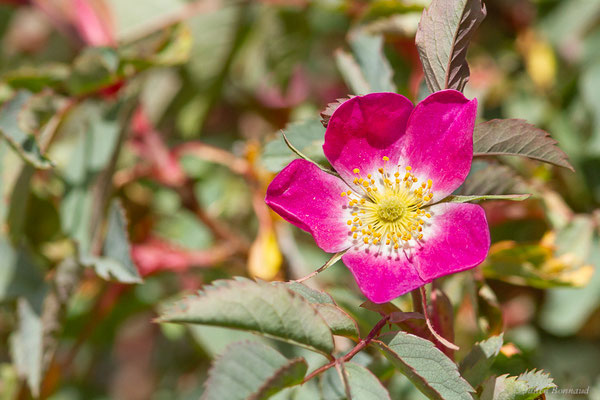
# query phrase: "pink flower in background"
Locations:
[[396, 163]]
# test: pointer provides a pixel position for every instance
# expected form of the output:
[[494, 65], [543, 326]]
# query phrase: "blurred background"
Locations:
[[174, 108]]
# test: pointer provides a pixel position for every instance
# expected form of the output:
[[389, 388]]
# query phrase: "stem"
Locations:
[[359, 346], [102, 189]]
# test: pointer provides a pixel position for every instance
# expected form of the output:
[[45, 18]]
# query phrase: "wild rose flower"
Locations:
[[396, 163]]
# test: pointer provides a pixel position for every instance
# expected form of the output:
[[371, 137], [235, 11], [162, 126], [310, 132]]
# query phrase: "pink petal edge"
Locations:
[[364, 129], [310, 199], [438, 143]]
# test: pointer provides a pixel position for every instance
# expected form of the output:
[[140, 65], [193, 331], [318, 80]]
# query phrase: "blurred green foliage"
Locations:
[[175, 108]]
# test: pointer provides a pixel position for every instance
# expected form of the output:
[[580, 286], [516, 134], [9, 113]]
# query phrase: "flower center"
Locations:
[[388, 211]]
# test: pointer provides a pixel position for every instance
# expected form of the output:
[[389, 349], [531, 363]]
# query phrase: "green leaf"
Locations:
[[167, 47], [489, 312], [535, 265], [306, 136], [116, 262], [12, 129], [442, 38], [363, 384], [427, 367], [472, 198], [516, 137], [36, 78], [19, 275], [398, 25], [366, 70], [494, 179], [26, 342], [476, 364], [527, 386], [368, 52], [137, 18], [331, 385], [98, 131], [338, 320], [358, 382], [251, 370], [260, 307], [95, 68]]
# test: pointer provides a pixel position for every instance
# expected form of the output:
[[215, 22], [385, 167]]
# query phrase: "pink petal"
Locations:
[[310, 199], [381, 276], [456, 239], [461, 240], [363, 130], [438, 144]]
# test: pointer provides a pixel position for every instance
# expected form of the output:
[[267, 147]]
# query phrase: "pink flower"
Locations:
[[396, 163]]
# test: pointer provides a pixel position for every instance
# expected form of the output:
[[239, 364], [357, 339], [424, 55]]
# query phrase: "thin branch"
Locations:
[[217, 227], [440, 338], [341, 370], [359, 347], [215, 155], [305, 157], [335, 258]]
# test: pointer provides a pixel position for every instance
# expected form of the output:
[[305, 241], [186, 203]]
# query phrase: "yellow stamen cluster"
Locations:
[[388, 211]]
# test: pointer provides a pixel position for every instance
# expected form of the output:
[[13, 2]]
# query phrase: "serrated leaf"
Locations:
[[12, 129], [116, 262], [527, 386], [472, 198], [338, 320], [260, 307], [307, 136], [476, 364], [361, 384], [493, 179], [442, 38], [366, 70], [427, 367], [518, 138], [251, 370]]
